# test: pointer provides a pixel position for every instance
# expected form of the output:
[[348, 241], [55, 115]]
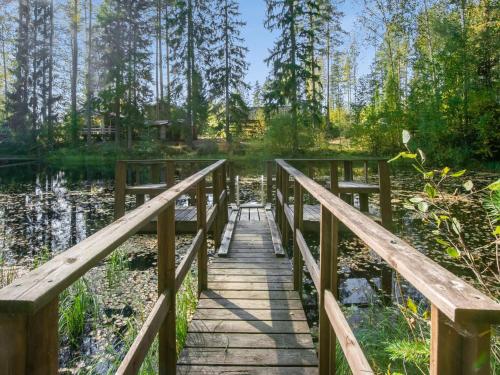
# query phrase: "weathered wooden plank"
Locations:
[[253, 254], [264, 357], [245, 370], [249, 340], [247, 315], [250, 304], [256, 272], [237, 326], [249, 286], [244, 265], [228, 235], [249, 278], [251, 294], [275, 235], [251, 260]]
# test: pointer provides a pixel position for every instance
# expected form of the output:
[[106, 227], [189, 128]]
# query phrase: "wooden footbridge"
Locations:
[[249, 318]]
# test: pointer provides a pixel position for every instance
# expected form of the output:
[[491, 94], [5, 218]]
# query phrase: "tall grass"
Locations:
[[8, 273], [186, 302], [115, 264], [390, 344], [76, 307]]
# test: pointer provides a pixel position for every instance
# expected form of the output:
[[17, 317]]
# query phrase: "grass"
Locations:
[[77, 304], [8, 273], [388, 342], [115, 265]]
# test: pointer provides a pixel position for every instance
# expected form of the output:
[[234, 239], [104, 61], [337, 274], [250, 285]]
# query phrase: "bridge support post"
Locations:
[[216, 184], [269, 180], [328, 280], [285, 192], [386, 213], [232, 183], [201, 208], [120, 185], [167, 350], [29, 343], [170, 173], [225, 215], [334, 177], [348, 176], [298, 212], [453, 352]]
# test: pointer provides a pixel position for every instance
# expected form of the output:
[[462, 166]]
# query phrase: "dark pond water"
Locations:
[[47, 210]]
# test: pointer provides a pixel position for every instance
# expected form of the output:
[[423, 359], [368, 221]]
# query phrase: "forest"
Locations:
[[69, 67], [250, 186]]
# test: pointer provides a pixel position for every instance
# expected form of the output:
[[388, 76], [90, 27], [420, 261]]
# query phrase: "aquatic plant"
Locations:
[[43, 256], [8, 273], [187, 299], [77, 306], [392, 347], [115, 264]]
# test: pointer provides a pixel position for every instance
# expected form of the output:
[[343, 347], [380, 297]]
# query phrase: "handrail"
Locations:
[[455, 303], [29, 306], [461, 301]]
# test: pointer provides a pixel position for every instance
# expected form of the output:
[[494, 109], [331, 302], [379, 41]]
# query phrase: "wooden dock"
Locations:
[[249, 320]]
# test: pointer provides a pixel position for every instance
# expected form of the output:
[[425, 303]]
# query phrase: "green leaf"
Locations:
[[496, 232], [398, 156], [411, 305], [430, 191], [442, 242], [468, 185], [429, 175], [408, 155], [459, 173], [423, 207], [409, 206], [418, 169], [495, 186], [406, 136], [453, 252], [455, 224], [422, 155], [445, 171], [416, 199]]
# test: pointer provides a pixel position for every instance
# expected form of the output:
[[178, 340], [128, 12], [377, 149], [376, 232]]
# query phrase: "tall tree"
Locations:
[[288, 68], [227, 60], [89, 74], [74, 27]]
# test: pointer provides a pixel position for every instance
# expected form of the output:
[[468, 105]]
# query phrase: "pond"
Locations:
[[44, 211]]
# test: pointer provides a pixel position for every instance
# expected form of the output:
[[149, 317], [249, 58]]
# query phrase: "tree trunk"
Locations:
[[189, 76], [89, 78], [227, 73], [4, 65], [50, 127], [74, 71], [293, 98], [328, 40]]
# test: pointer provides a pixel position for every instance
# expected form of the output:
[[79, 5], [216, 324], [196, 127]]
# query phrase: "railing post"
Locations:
[[216, 185], [170, 173], [29, 343], [269, 180], [459, 353], [298, 213], [348, 176], [386, 213], [167, 349], [224, 188], [155, 173], [334, 177], [385, 194], [278, 189], [139, 198], [328, 280], [232, 183], [284, 191], [120, 185], [201, 211]]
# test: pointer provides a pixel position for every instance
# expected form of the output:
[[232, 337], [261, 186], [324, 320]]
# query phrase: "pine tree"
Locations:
[[226, 62], [289, 72], [189, 41]]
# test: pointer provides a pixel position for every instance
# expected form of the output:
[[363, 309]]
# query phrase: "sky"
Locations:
[[259, 40]]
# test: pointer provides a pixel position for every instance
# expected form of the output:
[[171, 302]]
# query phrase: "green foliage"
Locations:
[[393, 347], [187, 299], [280, 138], [115, 265], [77, 305]]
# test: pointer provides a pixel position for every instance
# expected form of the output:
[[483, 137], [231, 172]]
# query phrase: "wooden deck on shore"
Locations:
[[250, 320]]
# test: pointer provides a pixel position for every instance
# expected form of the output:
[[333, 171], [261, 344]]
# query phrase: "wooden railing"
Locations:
[[346, 186], [461, 316], [29, 342]]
